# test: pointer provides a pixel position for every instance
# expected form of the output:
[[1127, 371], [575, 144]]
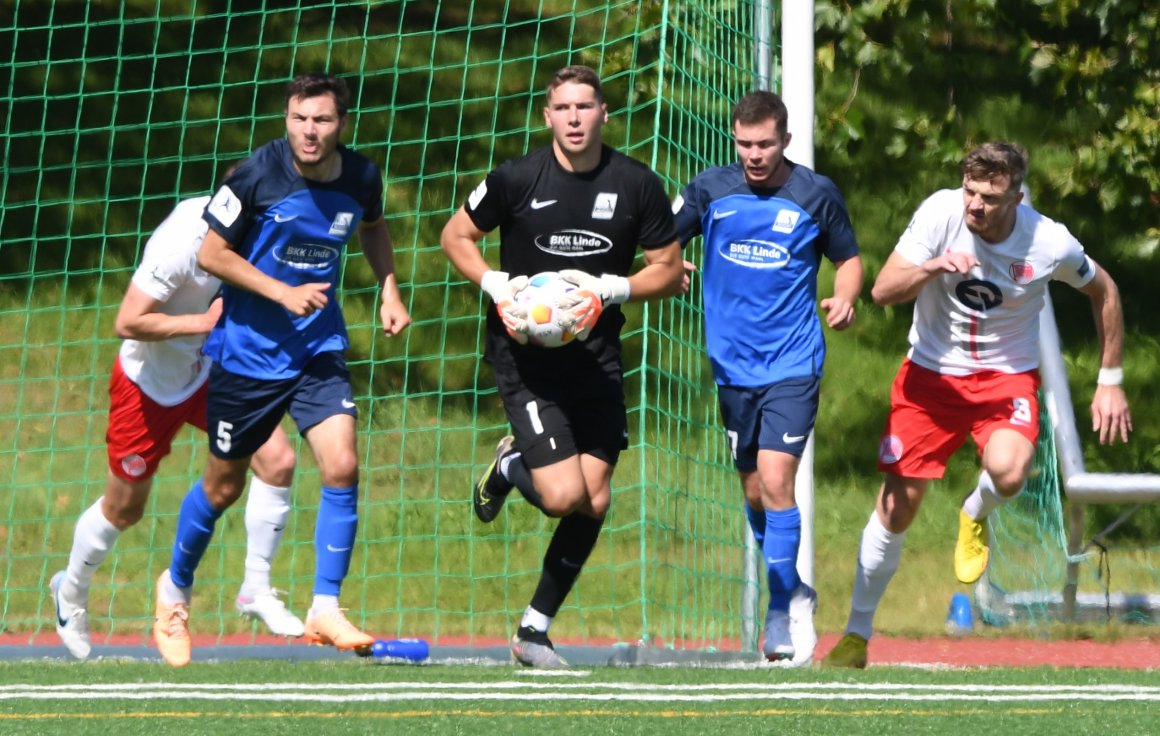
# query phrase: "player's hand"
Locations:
[[1110, 415], [687, 277], [305, 299], [610, 289], [952, 262], [395, 316], [502, 291], [213, 314], [839, 312], [581, 309]]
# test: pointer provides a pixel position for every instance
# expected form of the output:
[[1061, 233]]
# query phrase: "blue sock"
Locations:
[[195, 525], [334, 538], [783, 535], [756, 523]]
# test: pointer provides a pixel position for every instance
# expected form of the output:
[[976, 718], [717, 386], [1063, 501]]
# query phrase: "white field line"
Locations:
[[593, 692], [310, 687]]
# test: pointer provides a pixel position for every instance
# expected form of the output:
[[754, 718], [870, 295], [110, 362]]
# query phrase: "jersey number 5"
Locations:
[[224, 441]]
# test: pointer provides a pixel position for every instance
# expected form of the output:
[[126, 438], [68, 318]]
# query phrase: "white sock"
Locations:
[[878, 557], [985, 498], [170, 594], [93, 538], [536, 620], [322, 604], [505, 462], [267, 511]]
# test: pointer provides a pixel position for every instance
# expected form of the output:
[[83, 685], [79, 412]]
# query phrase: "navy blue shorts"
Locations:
[[778, 417], [242, 412], [548, 431]]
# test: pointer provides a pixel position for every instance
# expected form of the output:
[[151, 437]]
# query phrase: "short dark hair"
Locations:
[[757, 107], [316, 84], [579, 74], [994, 159]]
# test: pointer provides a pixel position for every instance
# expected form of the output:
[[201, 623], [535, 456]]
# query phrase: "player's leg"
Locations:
[[542, 462], [139, 435], [267, 513], [241, 414], [1006, 430], [922, 431], [323, 408], [601, 434]]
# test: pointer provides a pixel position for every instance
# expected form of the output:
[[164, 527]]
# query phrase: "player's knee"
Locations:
[[276, 465], [562, 496], [340, 471]]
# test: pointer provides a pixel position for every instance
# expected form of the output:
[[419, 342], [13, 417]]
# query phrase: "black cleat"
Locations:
[[492, 489]]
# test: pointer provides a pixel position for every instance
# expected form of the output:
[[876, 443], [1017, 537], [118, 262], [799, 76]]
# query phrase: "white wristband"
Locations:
[[616, 288], [494, 284], [1111, 376]]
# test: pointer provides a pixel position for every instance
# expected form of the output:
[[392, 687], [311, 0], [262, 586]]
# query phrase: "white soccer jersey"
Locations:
[[987, 319], [170, 371]]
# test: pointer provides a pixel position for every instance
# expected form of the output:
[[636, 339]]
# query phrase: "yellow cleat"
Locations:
[[331, 628], [171, 631], [971, 552], [849, 652]]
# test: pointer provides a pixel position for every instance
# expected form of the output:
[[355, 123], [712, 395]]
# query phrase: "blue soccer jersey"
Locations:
[[295, 230], [762, 252]]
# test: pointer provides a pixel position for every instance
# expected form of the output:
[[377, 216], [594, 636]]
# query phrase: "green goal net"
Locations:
[[115, 111]]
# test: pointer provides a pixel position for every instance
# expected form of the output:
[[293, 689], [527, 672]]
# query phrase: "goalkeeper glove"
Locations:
[[584, 305], [502, 291]]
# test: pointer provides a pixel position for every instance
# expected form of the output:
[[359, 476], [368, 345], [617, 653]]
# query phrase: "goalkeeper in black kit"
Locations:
[[581, 208]]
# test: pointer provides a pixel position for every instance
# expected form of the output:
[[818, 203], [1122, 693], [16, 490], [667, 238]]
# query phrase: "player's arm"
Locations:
[[460, 243], [138, 318], [847, 286], [1110, 415], [663, 271], [218, 257], [900, 280], [375, 239]]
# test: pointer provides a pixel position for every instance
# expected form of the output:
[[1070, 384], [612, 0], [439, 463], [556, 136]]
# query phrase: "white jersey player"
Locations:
[[987, 319], [978, 262], [157, 385]]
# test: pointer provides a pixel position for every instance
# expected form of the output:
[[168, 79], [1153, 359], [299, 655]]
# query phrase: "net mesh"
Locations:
[[118, 110], [1028, 573]]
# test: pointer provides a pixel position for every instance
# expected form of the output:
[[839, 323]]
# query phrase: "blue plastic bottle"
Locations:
[[414, 650]]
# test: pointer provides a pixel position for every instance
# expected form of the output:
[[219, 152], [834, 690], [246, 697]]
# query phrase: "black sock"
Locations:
[[520, 477], [574, 539]]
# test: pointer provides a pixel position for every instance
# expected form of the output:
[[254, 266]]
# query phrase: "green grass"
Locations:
[[344, 697]]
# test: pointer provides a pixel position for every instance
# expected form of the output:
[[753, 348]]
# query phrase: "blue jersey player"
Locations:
[[278, 227], [766, 224]]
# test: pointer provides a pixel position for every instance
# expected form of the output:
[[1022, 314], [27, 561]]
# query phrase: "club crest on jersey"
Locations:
[[573, 243], [605, 206], [786, 221], [755, 253], [890, 449], [340, 228], [1022, 272], [225, 206]]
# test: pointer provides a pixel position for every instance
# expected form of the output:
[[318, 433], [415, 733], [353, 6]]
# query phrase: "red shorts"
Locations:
[[141, 430], [931, 414]]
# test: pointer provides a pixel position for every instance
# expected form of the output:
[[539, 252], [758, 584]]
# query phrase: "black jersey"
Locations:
[[551, 219]]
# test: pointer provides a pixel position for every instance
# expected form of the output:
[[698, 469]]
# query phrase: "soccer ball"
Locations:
[[541, 297]]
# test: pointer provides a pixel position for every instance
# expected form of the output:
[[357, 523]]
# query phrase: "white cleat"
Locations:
[[802, 634], [268, 608], [778, 646], [72, 622]]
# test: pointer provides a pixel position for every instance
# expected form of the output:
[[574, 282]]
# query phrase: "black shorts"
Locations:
[[548, 430], [242, 412]]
